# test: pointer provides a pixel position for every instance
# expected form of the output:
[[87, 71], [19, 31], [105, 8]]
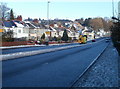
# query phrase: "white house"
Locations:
[[20, 31], [101, 33]]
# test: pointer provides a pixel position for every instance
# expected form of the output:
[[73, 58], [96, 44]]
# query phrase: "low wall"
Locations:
[[16, 43]]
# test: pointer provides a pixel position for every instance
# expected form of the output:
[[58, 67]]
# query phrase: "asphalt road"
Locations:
[[54, 69]]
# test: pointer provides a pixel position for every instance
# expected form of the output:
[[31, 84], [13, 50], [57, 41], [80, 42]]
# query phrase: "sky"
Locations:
[[62, 9]]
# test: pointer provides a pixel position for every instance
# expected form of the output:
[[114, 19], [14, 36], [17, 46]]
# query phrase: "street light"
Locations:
[[114, 18], [48, 11], [48, 16]]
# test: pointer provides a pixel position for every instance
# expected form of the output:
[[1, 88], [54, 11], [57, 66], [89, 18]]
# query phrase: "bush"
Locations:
[[58, 38], [115, 29], [7, 39]]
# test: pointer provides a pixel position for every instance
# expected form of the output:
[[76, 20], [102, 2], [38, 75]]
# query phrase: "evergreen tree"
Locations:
[[43, 36], [65, 36], [11, 15]]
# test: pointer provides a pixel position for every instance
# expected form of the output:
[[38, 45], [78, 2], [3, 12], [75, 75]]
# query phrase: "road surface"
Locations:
[[54, 69]]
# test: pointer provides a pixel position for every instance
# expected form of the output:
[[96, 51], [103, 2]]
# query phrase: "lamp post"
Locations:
[[48, 16], [48, 11], [113, 17]]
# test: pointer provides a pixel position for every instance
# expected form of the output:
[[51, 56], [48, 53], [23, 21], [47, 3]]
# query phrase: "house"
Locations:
[[53, 32], [77, 26], [18, 29], [32, 30], [8, 25], [101, 33], [89, 32], [37, 30], [58, 29]]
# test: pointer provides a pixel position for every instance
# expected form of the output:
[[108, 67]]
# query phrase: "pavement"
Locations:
[[105, 72]]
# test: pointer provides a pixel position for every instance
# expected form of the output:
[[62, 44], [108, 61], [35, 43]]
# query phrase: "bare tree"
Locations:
[[4, 10], [107, 24], [96, 23]]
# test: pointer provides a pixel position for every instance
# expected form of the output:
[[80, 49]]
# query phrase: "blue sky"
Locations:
[[62, 10]]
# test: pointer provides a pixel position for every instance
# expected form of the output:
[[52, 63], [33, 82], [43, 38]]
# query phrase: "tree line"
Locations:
[[96, 23]]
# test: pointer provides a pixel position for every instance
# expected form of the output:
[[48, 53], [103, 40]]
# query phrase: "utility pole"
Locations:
[[113, 8]]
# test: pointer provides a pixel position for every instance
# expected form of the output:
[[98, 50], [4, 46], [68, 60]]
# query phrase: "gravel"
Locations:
[[104, 72]]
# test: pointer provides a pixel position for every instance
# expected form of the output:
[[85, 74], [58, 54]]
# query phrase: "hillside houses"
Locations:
[[24, 29], [34, 29]]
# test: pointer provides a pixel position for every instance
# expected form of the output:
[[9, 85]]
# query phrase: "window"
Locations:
[[19, 31], [24, 31]]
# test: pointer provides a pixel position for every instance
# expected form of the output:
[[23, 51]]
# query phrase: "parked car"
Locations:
[[93, 40], [38, 42], [107, 39]]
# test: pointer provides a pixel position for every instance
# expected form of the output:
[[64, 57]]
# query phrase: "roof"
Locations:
[[34, 25], [9, 23], [30, 26], [18, 24], [52, 29]]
